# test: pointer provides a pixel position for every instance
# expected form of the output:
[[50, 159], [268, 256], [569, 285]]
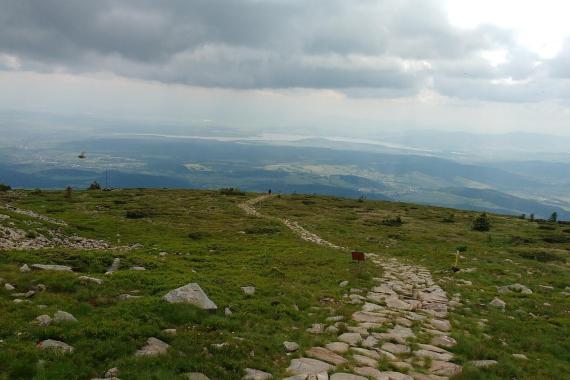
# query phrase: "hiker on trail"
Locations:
[[269, 192]]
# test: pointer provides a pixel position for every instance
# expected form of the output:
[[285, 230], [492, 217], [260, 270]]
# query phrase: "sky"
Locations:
[[326, 67]]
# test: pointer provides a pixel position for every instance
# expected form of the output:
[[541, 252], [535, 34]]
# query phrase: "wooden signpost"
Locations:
[[357, 256]]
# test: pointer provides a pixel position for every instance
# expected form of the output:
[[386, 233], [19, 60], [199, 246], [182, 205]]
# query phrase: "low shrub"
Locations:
[[231, 191], [135, 214], [4, 187]]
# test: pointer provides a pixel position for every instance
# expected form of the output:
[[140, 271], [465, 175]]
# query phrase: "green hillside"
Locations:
[[295, 251]]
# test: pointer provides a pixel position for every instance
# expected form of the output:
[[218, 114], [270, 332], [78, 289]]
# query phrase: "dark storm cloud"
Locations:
[[391, 47]]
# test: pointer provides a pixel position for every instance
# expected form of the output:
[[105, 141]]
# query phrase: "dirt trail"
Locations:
[[406, 300], [249, 208]]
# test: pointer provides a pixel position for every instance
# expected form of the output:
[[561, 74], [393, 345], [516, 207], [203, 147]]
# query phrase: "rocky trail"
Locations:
[[402, 325]]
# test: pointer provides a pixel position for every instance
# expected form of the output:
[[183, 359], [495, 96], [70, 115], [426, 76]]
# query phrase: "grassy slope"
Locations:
[[527, 326], [285, 270]]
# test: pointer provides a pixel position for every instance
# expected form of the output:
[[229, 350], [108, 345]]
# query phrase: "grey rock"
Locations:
[[248, 290], [316, 328], [196, 376], [63, 316], [112, 373], [290, 346], [346, 376], [9, 287], [191, 294], [90, 279], [126, 297], [25, 268], [325, 355], [139, 268], [153, 347], [303, 366], [56, 345], [483, 363], [520, 356], [255, 374], [228, 311], [57, 268], [43, 320], [497, 302], [351, 338], [342, 284], [338, 347]]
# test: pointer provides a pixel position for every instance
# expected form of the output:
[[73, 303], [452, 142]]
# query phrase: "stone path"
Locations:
[[408, 307]]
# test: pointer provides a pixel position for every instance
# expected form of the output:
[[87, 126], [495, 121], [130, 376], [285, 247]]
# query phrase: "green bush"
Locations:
[[481, 223], [135, 214], [231, 191], [4, 187], [393, 222]]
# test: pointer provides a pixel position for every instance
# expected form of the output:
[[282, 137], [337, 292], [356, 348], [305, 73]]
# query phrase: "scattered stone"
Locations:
[[56, 345], [63, 316], [248, 290], [196, 376], [228, 311], [114, 266], [153, 347], [90, 279], [57, 268], [192, 294], [255, 374], [290, 346], [332, 330], [343, 284], [43, 320], [316, 328], [25, 268], [28, 294], [483, 363], [325, 355], [112, 373], [520, 356], [517, 288], [170, 331], [126, 297], [138, 268], [336, 318], [497, 302], [9, 287]]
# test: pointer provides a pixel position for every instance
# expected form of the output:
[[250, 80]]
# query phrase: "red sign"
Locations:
[[357, 256]]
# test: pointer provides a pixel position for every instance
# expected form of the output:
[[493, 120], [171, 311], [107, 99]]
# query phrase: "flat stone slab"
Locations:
[[351, 338], [195, 376], [303, 366], [190, 294], [483, 363], [90, 279], [325, 355], [347, 376], [396, 349], [338, 347], [58, 268], [441, 368]]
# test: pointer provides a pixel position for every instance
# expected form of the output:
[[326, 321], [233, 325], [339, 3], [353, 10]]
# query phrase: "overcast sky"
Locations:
[[344, 67]]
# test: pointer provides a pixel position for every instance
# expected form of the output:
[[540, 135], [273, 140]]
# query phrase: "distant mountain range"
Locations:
[[510, 187]]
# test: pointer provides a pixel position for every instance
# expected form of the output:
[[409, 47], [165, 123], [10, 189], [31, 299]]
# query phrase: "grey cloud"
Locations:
[[385, 48]]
